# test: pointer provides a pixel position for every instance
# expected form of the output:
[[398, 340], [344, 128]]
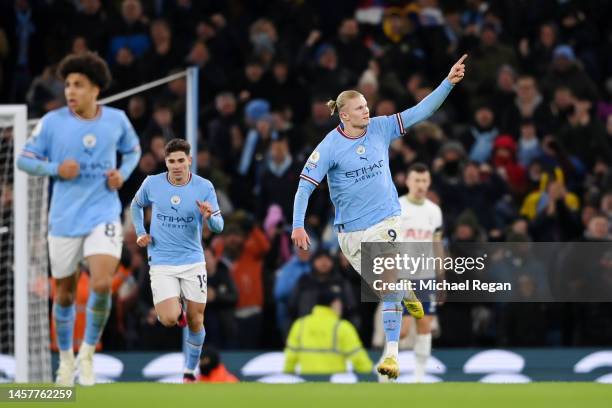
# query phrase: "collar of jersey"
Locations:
[[341, 131], [177, 185], [98, 114], [414, 201]]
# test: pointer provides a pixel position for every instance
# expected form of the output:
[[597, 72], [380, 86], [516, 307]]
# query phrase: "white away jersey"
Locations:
[[419, 222]]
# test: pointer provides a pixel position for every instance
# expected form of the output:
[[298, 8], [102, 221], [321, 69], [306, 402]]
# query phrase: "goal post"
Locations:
[[21, 260]]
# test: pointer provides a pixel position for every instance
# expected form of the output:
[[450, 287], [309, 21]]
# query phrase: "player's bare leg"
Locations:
[[195, 338], [65, 294], [169, 311], [102, 268]]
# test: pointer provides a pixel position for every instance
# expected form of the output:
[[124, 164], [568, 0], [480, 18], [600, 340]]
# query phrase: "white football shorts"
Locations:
[[350, 242], [65, 253], [168, 281]]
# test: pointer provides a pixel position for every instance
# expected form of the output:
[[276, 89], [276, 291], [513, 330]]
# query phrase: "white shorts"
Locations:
[[168, 281], [350, 242], [65, 253]]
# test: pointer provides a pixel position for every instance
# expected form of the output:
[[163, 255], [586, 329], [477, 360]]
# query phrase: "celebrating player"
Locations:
[[355, 158], [77, 145], [181, 202], [421, 221]]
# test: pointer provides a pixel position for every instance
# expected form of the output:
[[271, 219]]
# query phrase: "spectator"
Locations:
[[286, 280], [487, 58], [479, 138], [130, 30], [322, 278], [350, 48], [221, 299], [322, 343], [528, 104], [163, 55], [211, 76], [243, 252], [212, 370], [220, 129], [46, 92], [91, 23], [278, 179], [565, 71]]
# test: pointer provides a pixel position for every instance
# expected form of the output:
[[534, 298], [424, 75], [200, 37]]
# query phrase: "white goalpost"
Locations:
[[24, 271]]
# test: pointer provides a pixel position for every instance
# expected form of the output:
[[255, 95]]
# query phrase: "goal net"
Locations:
[[30, 313]]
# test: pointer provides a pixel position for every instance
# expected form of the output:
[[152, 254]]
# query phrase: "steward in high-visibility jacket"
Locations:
[[322, 343]]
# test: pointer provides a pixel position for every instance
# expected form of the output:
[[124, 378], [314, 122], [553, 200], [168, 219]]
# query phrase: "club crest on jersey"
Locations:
[[175, 200], [89, 140], [360, 149], [314, 157]]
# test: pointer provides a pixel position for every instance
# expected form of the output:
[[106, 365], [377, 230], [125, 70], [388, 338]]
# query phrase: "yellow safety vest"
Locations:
[[321, 343]]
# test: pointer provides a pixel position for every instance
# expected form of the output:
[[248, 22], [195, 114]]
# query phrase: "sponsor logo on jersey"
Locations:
[[418, 234], [366, 172]]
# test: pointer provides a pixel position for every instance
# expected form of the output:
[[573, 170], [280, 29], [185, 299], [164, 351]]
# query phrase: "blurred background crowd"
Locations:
[[520, 151]]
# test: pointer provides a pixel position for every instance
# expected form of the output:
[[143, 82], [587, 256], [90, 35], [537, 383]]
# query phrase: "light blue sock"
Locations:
[[98, 310], [195, 340], [392, 320], [64, 325]]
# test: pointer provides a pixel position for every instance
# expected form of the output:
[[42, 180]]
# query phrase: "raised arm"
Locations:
[[432, 102]]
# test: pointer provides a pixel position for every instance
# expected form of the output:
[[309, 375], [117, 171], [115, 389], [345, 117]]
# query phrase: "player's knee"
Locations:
[[101, 285], [65, 298], [168, 321], [195, 322]]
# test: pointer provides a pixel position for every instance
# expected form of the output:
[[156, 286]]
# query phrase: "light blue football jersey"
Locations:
[[358, 174], [79, 205], [176, 221]]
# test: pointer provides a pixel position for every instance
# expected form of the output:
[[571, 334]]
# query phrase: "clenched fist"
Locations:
[[143, 240], [69, 169], [114, 179]]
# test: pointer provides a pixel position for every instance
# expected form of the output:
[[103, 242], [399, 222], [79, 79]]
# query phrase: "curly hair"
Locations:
[[88, 64]]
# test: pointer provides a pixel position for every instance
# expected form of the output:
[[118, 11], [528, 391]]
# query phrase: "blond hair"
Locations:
[[341, 100]]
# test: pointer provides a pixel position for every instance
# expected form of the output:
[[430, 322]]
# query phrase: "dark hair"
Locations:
[[417, 168], [177, 145], [88, 64], [327, 295]]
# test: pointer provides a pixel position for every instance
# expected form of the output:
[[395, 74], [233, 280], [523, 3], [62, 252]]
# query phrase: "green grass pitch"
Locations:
[[318, 395]]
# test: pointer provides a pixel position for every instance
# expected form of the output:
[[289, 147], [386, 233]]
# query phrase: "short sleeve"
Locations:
[[129, 139], [37, 145], [390, 127], [318, 164], [438, 223], [142, 195]]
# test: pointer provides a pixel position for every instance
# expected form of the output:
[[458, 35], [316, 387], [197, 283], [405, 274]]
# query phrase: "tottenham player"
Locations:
[[181, 202], [421, 221], [77, 145], [355, 158]]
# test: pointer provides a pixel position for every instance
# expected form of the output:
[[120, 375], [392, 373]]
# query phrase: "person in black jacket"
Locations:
[[322, 278], [221, 298]]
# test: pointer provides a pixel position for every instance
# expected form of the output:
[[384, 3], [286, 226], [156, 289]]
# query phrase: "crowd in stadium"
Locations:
[[521, 151]]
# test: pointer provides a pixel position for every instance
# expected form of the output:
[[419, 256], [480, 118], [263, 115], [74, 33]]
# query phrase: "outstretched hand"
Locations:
[[457, 71]]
